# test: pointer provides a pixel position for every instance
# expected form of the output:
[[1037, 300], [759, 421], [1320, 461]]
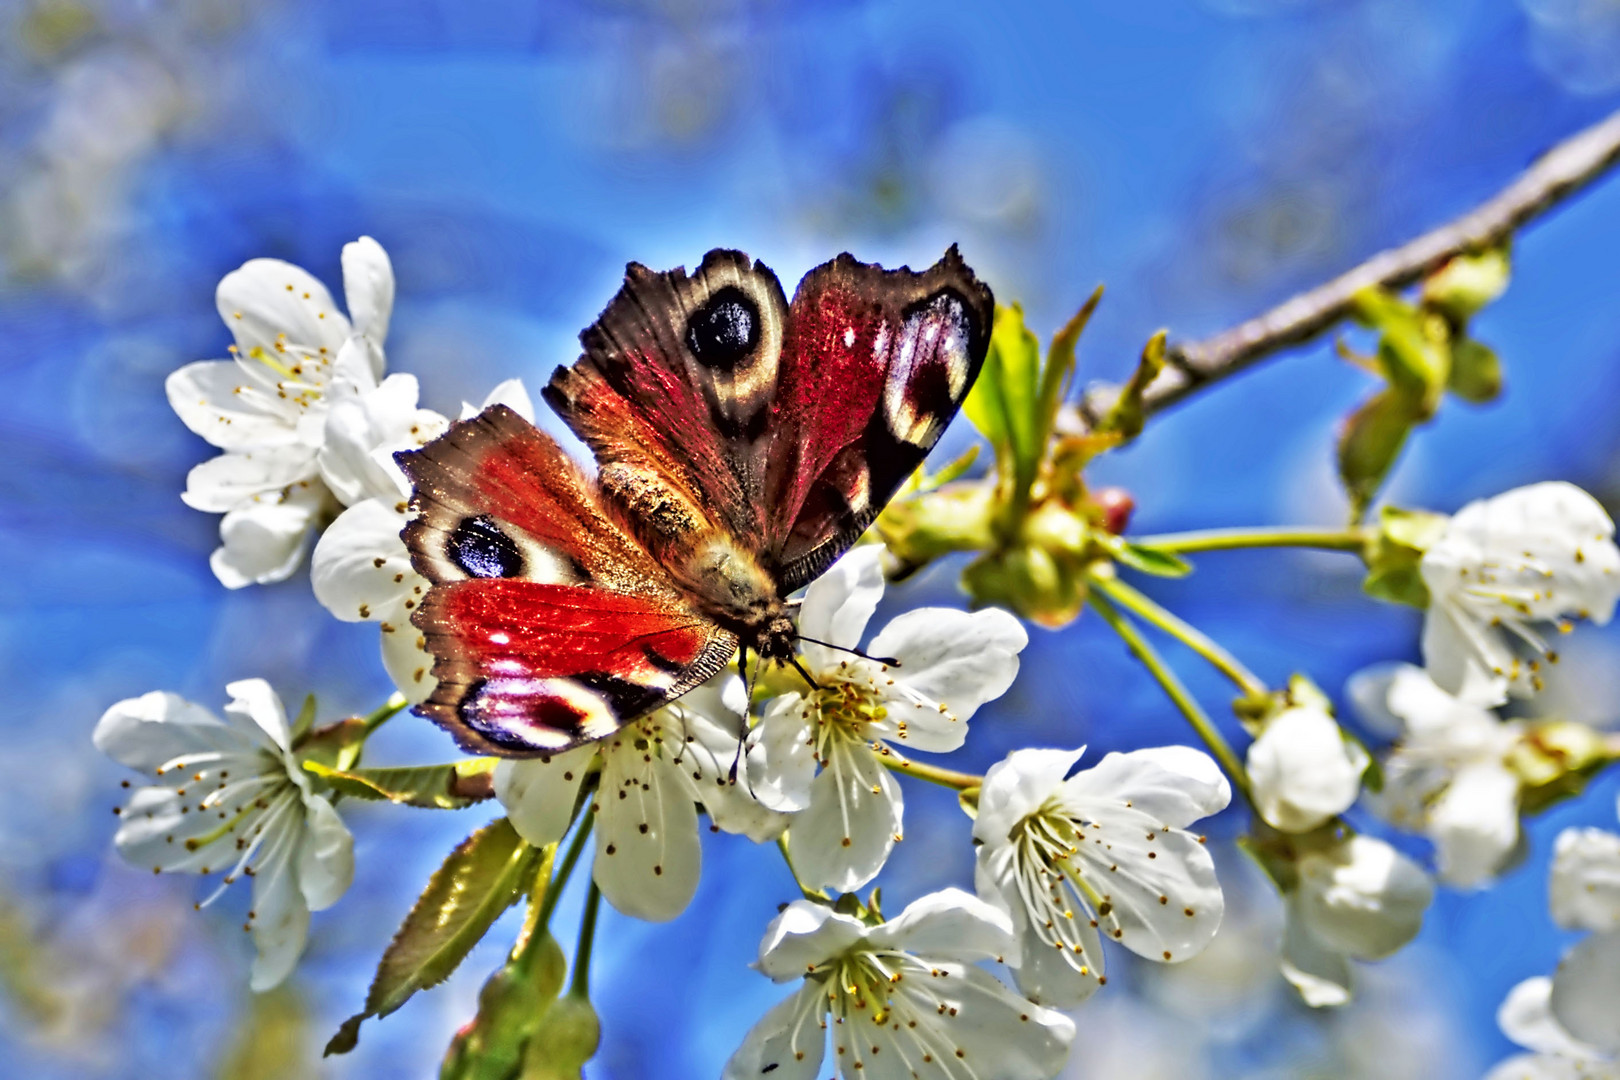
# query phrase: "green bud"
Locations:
[[1370, 442], [1395, 553], [564, 1041], [959, 517], [1046, 588], [1466, 283], [1057, 528], [1476, 373], [1554, 761]]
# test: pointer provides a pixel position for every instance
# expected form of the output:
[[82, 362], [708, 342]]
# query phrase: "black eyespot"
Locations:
[[723, 332], [482, 550]]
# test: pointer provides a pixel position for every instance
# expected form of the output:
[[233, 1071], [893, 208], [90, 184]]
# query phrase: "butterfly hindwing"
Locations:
[[548, 624]]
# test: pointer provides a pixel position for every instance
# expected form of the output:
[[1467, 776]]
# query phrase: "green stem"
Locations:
[[580, 985], [389, 708], [1196, 640], [956, 781], [809, 894], [1177, 693], [560, 880], [1353, 540], [533, 925]]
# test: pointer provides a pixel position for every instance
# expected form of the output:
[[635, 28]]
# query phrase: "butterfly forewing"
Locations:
[[548, 623]]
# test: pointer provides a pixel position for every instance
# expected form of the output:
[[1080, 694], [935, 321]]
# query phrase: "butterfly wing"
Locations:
[[713, 405], [549, 626]]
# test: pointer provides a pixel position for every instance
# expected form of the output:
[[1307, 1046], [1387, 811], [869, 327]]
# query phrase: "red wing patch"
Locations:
[[526, 668]]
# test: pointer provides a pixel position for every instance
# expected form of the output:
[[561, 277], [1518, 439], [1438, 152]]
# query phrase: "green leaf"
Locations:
[[436, 787], [1127, 415], [1414, 351], [305, 719], [484, 875], [1369, 444], [1398, 585], [1476, 373], [337, 746], [1150, 560], [1060, 364]]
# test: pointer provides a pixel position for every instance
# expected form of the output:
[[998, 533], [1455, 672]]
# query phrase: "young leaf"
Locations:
[[1476, 373], [1127, 415], [1060, 363], [483, 876], [436, 787], [1151, 560], [1369, 444]]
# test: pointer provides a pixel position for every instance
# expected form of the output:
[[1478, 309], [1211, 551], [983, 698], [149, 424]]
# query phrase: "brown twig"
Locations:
[[1554, 176]]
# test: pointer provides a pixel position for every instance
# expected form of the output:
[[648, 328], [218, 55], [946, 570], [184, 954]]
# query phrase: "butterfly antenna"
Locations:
[[889, 660], [794, 660]]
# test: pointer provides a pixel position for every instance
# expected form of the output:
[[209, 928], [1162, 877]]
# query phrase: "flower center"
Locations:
[[843, 711], [1047, 870]]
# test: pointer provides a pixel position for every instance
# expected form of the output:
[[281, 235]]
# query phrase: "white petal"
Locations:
[[708, 748], [360, 569], [1321, 975], [161, 830], [224, 483], [1585, 990], [957, 659], [950, 923], [232, 406], [781, 756], [1543, 1067], [368, 287], [844, 838], [786, 1044], [838, 604], [1369, 693], [280, 917], [1427, 711], [325, 856], [1056, 977], [803, 936], [1526, 1017], [1302, 770], [266, 298], [1463, 666], [539, 793], [1475, 824], [992, 1032], [647, 850], [364, 427], [1362, 898], [511, 393], [264, 541], [146, 732], [405, 657], [1177, 785], [1585, 885], [253, 704], [1016, 786]]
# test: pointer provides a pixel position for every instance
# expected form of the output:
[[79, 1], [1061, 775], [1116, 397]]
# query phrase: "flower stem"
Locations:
[[395, 704], [580, 985], [1196, 640], [560, 880], [809, 894], [533, 924], [956, 781], [1177, 693], [1229, 539]]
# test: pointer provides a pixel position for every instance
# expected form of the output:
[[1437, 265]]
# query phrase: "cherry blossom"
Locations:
[[930, 670], [1502, 571], [1102, 853], [1526, 1017], [230, 795], [1302, 770], [1584, 891], [267, 407], [651, 774], [900, 998]]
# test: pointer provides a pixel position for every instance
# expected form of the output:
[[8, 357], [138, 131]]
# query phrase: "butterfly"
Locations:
[[742, 443]]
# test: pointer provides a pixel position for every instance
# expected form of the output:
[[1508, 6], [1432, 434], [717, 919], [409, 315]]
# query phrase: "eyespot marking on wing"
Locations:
[[725, 331], [929, 374], [524, 714], [481, 549]]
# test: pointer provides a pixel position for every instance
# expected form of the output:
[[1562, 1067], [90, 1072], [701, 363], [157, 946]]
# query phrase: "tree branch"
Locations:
[[1556, 175]]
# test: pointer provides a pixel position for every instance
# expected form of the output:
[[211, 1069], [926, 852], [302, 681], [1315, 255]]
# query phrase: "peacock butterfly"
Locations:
[[743, 443]]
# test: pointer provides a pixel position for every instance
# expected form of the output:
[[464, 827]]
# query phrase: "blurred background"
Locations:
[[1204, 158]]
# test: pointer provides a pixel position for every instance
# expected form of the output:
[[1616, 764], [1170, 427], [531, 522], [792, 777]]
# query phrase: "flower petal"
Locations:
[[361, 570], [539, 793], [1543, 1067], [1321, 975], [146, 732], [325, 855], [1475, 824], [266, 299], [511, 393], [844, 838], [992, 1031], [364, 427], [229, 405], [787, 1043], [1462, 665], [368, 288], [224, 483], [1016, 786], [406, 659], [265, 541], [804, 936], [781, 756], [1361, 898], [838, 604], [1175, 784], [1526, 1017], [1585, 989], [647, 850], [280, 917], [1585, 885], [253, 704], [708, 739], [1302, 770], [950, 923], [955, 659]]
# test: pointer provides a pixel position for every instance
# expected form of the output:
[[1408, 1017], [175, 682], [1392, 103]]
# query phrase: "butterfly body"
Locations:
[[742, 445]]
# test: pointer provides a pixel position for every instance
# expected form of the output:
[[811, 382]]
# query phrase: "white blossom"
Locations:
[[651, 772], [361, 571], [1447, 776], [267, 407], [1302, 770], [1526, 1017], [899, 999], [1585, 894], [947, 663], [1501, 572], [1355, 899], [1102, 853], [230, 795]]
